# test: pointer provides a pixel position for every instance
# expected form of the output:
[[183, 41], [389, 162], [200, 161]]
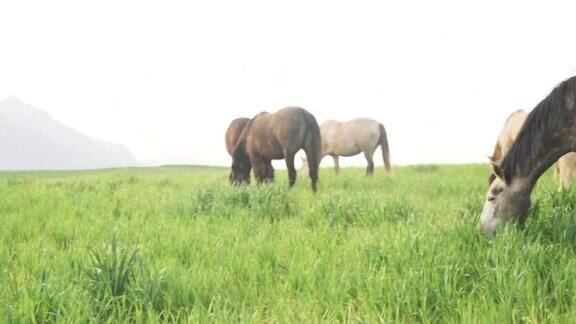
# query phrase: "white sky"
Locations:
[[165, 78]]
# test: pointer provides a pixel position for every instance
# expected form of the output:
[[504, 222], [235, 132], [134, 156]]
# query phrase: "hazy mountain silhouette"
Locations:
[[31, 140]]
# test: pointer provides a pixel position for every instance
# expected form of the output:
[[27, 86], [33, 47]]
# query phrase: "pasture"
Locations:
[[179, 243]]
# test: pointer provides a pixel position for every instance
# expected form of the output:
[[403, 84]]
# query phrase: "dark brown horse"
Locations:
[[233, 134], [273, 137], [548, 133]]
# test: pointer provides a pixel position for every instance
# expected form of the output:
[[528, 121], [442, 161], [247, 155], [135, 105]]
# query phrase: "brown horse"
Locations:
[[233, 134], [548, 133], [273, 137]]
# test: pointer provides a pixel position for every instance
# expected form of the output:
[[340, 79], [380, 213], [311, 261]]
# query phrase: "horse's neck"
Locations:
[[546, 148], [548, 133], [547, 160]]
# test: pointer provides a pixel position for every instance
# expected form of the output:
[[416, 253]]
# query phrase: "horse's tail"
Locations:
[[385, 148], [312, 148]]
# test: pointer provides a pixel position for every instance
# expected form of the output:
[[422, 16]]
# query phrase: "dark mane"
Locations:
[[548, 115]]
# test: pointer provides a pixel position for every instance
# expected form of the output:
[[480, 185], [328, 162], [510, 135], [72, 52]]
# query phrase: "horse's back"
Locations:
[[290, 118], [516, 122], [508, 134], [286, 118], [354, 136], [363, 125], [512, 128], [282, 131]]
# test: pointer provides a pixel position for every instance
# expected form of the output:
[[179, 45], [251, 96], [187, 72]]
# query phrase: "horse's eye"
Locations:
[[492, 198]]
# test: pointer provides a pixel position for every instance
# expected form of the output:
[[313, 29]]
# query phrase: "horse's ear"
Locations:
[[498, 171]]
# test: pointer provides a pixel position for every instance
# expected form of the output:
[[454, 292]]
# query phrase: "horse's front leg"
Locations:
[[336, 163], [370, 167]]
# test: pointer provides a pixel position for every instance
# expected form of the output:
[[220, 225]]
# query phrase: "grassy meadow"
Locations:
[[179, 244]]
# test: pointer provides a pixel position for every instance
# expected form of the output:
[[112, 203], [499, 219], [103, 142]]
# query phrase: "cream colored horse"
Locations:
[[351, 138], [508, 134], [565, 167]]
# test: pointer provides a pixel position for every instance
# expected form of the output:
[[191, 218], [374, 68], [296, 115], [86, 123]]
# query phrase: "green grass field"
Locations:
[[180, 244]]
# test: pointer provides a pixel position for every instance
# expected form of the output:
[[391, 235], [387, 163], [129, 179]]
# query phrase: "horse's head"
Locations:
[[506, 201], [240, 174]]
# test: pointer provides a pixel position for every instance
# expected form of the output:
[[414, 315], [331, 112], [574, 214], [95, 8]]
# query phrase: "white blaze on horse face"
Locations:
[[505, 203], [490, 220]]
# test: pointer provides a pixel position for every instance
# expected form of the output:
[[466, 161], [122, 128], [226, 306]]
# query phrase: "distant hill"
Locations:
[[31, 140]]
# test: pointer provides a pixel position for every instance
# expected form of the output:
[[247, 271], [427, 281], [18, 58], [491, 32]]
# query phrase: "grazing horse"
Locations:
[[273, 137], [564, 168], [352, 137], [548, 133], [233, 134]]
